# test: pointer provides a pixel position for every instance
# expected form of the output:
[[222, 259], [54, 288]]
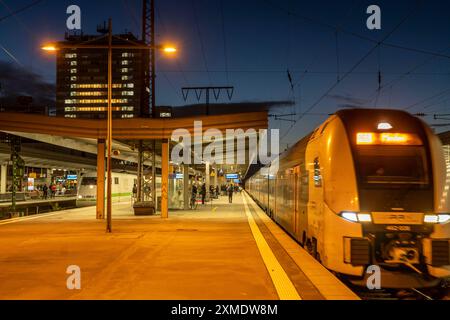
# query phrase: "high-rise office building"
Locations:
[[82, 79]]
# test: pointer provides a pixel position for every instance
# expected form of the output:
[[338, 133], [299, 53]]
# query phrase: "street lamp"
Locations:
[[49, 48], [169, 49], [90, 44]]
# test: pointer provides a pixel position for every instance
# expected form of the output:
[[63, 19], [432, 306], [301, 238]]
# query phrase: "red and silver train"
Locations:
[[367, 187]]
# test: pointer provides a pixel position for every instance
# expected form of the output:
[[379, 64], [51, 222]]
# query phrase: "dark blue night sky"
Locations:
[[264, 39]]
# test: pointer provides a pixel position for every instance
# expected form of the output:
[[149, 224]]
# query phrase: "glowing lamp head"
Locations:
[[49, 48], [436, 218], [356, 217], [169, 50], [384, 126]]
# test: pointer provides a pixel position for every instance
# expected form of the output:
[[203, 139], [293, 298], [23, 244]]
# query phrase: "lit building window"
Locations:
[[125, 62], [89, 86], [127, 108], [129, 85], [128, 93], [73, 70], [124, 78], [70, 116], [73, 78], [95, 101], [127, 55], [124, 70], [124, 116], [73, 63], [70, 109], [70, 55], [88, 93]]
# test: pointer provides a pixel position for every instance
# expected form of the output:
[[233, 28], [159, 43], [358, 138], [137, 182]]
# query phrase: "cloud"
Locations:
[[348, 100], [16, 81]]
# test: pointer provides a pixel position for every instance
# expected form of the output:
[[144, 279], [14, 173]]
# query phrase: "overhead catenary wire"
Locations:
[[356, 65], [9, 54], [439, 94], [313, 72], [410, 72], [177, 61], [199, 33], [354, 34], [172, 86], [20, 10], [15, 13], [316, 57], [131, 13], [224, 36]]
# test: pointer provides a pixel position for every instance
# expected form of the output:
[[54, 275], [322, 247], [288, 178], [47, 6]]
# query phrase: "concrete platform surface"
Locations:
[[220, 251]]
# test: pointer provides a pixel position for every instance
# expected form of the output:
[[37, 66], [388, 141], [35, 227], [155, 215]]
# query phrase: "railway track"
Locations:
[[441, 293]]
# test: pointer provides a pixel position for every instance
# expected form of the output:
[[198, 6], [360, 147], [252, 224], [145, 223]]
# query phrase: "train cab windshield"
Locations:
[[88, 181], [392, 166]]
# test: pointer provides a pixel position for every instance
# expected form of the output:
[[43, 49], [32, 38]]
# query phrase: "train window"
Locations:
[[317, 174], [393, 165], [116, 180], [88, 181]]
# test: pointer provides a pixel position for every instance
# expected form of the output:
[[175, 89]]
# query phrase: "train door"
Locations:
[[296, 203], [315, 203], [302, 193]]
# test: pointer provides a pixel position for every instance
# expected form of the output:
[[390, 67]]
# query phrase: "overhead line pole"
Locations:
[[109, 133]]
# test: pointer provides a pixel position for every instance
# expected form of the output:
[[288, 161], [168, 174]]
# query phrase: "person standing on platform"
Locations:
[[134, 191], [45, 191], [230, 191], [53, 190], [203, 192]]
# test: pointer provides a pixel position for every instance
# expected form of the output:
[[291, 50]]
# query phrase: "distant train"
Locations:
[[122, 188], [367, 187]]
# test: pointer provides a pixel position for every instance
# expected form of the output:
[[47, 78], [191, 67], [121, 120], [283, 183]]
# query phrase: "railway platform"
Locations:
[[37, 206], [219, 251]]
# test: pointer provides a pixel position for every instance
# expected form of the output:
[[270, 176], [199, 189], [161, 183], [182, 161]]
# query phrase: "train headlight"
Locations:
[[436, 218], [356, 217]]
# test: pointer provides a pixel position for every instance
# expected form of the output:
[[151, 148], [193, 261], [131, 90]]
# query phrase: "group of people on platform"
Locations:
[[52, 190], [45, 191], [228, 190]]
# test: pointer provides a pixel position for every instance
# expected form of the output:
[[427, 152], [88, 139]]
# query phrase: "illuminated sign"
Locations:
[[232, 176]]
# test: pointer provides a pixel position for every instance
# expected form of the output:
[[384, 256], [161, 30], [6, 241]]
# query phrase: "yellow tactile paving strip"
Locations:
[[283, 285], [328, 285], [27, 218]]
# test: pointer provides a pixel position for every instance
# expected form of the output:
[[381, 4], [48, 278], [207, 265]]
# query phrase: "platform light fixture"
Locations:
[[384, 126]]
